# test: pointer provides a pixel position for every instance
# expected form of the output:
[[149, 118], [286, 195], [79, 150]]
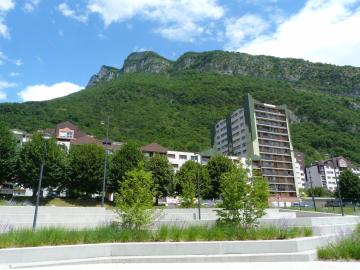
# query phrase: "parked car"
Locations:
[[299, 204]]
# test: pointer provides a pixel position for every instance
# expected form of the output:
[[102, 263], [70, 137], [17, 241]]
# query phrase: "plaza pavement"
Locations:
[[317, 265]]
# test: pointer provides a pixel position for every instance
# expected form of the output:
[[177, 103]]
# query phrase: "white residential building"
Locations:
[[178, 158], [325, 173], [299, 170]]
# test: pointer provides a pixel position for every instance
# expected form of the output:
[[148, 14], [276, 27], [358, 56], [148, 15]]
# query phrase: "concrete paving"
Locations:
[[212, 266]]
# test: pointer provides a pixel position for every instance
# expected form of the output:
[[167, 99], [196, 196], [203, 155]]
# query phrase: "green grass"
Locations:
[[347, 249], [110, 234], [61, 202]]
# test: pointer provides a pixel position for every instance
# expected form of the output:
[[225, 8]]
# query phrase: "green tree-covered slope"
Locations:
[[178, 108]]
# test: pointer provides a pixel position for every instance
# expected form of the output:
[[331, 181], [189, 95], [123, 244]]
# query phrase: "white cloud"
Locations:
[[177, 19], [5, 85], [323, 31], [3, 95], [42, 92], [68, 12], [245, 27], [5, 6], [31, 5], [14, 74]]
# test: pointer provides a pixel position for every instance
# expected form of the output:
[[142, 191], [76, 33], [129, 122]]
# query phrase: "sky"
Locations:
[[50, 48]]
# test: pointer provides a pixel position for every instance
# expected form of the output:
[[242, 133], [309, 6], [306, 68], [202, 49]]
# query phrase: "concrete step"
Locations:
[[211, 258]]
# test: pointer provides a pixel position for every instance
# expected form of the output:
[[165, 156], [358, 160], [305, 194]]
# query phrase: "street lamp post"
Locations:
[[198, 184], [312, 190], [39, 188], [339, 193], [105, 164]]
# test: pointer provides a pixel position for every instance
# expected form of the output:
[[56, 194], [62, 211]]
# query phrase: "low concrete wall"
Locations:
[[63, 253]]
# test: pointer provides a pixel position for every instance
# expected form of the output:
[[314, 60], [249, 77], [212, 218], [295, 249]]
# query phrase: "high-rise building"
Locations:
[[260, 132]]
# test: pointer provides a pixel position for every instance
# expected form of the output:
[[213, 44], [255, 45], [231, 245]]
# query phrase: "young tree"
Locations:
[[318, 192], [86, 168], [216, 166], [187, 178], [134, 201], [162, 174], [244, 198], [122, 161], [7, 153], [28, 163], [349, 184]]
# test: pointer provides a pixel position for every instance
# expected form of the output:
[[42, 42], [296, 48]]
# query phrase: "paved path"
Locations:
[[214, 266]]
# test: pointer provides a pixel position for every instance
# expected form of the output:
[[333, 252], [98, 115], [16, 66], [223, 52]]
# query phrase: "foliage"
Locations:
[[244, 198], [187, 182], [318, 192], [178, 109], [7, 153], [218, 165], [122, 161], [134, 201], [86, 168], [349, 184], [113, 234], [347, 249], [28, 163], [162, 175]]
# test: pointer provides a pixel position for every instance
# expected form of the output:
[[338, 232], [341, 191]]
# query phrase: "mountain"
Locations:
[[339, 80], [175, 103]]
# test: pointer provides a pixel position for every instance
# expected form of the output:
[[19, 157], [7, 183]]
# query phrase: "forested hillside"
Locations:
[[176, 107]]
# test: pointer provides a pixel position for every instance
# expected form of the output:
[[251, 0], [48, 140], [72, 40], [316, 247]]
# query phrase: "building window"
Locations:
[[195, 158], [183, 157], [171, 156], [175, 166], [66, 134]]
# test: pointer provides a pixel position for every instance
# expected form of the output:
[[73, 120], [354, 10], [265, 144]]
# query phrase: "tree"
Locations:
[[349, 184], [7, 153], [216, 166], [244, 198], [28, 163], [187, 178], [134, 201], [318, 192], [162, 174], [122, 161], [86, 168]]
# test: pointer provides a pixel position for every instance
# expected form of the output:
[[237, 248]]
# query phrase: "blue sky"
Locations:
[[50, 48]]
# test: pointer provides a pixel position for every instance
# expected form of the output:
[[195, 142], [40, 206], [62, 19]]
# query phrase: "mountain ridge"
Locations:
[[343, 80]]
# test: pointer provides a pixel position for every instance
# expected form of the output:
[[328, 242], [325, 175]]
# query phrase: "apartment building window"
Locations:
[[235, 128], [171, 156], [195, 158], [242, 131], [183, 157], [175, 166]]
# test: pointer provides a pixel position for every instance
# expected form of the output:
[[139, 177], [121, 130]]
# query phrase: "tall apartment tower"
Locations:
[[260, 132]]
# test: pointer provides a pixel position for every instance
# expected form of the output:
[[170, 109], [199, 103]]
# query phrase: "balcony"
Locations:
[[272, 124], [263, 116], [281, 145], [269, 111], [271, 137]]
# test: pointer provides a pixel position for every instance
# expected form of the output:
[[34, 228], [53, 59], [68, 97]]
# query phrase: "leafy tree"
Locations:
[[28, 164], [134, 201], [122, 161], [318, 192], [162, 174], [244, 198], [86, 168], [187, 178], [216, 166], [7, 153], [349, 184]]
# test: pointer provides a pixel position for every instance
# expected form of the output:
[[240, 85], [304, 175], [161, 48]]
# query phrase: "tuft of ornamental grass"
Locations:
[[114, 234], [347, 249]]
